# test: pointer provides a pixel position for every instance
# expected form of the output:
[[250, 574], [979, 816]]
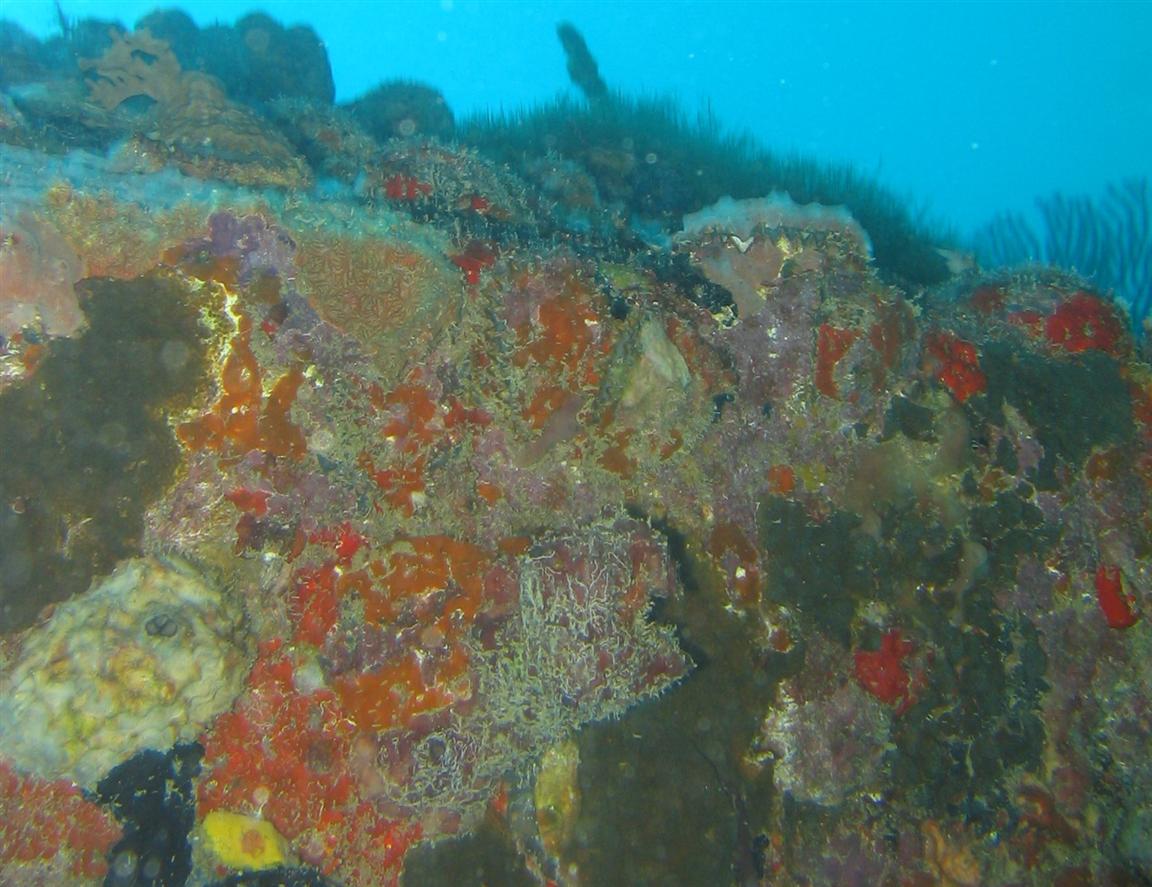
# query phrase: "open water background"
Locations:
[[968, 108]]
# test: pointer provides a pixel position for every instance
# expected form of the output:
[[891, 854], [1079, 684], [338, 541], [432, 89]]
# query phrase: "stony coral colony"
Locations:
[[364, 497]]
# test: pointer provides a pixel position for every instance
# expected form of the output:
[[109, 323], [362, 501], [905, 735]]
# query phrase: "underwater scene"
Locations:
[[575, 494]]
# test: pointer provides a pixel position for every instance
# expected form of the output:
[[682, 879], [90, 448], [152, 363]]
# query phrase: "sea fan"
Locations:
[[1106, 240]]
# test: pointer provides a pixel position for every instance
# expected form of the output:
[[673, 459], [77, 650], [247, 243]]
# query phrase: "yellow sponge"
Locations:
[[243, 842]]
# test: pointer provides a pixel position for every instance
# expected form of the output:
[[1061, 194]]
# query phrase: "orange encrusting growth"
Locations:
[[293, 767], [565, 332], [547, 400], [394, 694], [413, 409], [729, 543], [477, 256], [1114, 602], [253, 501], [204, 266], [402, 485], [408, 188], [315, 600], [888, 335], [615, 457], [243, 419], [441, 581], [287, 755], [416, 422], [781, 480], [424, 566], [883, 673], [832, 344], [1084, 322], [562, 334]]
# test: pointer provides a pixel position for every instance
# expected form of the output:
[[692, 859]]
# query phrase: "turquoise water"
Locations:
[[970, 108]]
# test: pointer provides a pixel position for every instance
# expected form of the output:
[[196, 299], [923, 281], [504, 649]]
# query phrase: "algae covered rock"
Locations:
[[148, 656]]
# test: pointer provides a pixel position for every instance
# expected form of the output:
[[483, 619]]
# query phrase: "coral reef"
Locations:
[[136, 64], [396, 301], [191, 123], [616, 514], [257, 60]]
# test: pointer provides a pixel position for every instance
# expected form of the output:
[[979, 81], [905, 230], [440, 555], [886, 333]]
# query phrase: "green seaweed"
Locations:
[[649, 154], [977, 719], [823, 569], [1074, 404], [85, 442]]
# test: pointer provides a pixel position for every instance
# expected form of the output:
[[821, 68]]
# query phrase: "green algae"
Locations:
[[1074, 404], [665, 787], [85, 442], [977, 719], [824, 570]]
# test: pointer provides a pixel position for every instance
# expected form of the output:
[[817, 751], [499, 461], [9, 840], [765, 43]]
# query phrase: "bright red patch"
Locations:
[[400, 187], [987, 299], [781, 480], [957, 365], [252, 842], [477, 256], [1112, 598], [343, 540], [882, 672], [1082, 323], [253, 501]]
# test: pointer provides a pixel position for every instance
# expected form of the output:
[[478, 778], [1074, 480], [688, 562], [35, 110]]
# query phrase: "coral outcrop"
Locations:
[[598, 518], [146, 657]]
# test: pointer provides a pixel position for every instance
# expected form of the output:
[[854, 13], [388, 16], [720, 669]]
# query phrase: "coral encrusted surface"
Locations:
[[375, 512]]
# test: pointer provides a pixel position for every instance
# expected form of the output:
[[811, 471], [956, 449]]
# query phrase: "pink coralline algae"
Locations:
[[38, 269]]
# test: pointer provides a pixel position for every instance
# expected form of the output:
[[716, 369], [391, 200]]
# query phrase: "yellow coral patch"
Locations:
[[243, 842]]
